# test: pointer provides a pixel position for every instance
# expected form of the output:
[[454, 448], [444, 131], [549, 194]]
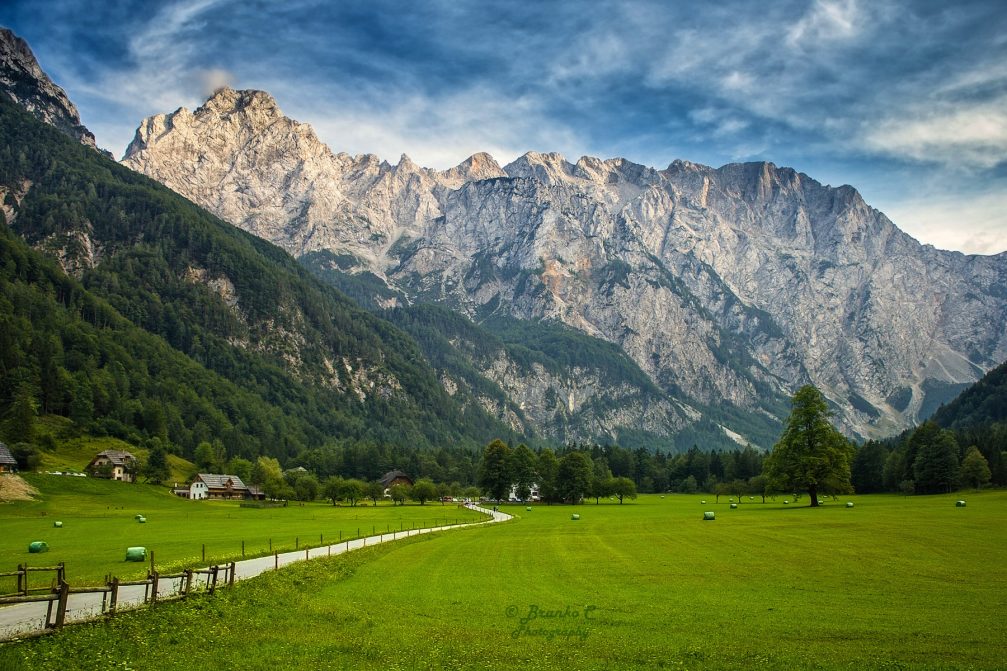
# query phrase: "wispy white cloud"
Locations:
[[435, 131], [825, 21], [963, 134], [971, 223]]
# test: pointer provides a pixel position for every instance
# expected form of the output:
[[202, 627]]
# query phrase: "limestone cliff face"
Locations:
[[728, 287], [24, 81]]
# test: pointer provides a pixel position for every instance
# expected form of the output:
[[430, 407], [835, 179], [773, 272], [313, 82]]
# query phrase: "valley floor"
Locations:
[[893, 583]]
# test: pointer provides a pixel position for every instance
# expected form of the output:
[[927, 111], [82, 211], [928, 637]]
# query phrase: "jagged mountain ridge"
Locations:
[[29, 86], [726, 286]]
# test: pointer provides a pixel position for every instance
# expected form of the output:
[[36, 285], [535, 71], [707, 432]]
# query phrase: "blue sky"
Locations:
[[906, 101]]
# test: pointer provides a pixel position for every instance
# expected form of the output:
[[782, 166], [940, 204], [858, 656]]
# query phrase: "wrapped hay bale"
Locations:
[[58, 524], [38, 546], [734, 505], [575, 516], [709, 515], [959, 504], [528, 508], [141, 520], [849, 504], [136, 554]]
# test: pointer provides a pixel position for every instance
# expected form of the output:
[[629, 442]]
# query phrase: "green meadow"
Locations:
[[893, 583], [98, 526]]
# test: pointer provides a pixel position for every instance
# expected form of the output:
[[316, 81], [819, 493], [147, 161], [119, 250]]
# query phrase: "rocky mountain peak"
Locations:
[[24, 81], [252, 103], [549, 168], [728, 287]]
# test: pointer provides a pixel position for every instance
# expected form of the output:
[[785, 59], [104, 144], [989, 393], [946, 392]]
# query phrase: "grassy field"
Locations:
[[894, 583], [98, 526], [71, 452]]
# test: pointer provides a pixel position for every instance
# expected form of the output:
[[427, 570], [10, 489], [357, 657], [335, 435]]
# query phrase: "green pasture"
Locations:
[[893, 583], [98, 526]]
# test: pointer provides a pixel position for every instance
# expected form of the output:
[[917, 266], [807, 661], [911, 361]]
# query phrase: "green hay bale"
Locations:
[[136, 554], [734, 505], [528, 508], [849, 504], [575, 516], [141, 520], [751, 498], [137, 516], [58, 525], [785, 502], [38, 546], [703, 502], [709, 515], [959, 504]]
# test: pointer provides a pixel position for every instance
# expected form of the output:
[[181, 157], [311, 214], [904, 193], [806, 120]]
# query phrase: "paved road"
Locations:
[[29, 618]]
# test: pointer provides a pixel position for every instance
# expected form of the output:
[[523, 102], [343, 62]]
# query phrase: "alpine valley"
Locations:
[[544, 300]]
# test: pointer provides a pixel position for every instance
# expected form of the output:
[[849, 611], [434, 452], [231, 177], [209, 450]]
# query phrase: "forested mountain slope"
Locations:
[[157, 308]]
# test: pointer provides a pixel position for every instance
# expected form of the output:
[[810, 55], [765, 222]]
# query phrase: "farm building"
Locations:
[[114, 465], [8, 464], [392, 478], [219, 486]]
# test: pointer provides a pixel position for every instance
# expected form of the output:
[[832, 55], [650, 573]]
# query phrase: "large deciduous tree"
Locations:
[[573, 480], [975, 468], [523, 471], [495, 475], [811, 454]]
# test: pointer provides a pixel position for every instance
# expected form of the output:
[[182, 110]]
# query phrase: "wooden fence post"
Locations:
[[154, 580], [64, 594], [213, 578], [22, 579], [276, 558], [187, 582], [113, 599], [231, 579]]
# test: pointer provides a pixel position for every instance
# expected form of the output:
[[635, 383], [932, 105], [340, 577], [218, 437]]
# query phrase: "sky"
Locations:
[[904, 100]]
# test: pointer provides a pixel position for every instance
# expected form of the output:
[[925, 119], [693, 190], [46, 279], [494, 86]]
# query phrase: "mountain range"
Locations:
[[728, 288], [598, 300]]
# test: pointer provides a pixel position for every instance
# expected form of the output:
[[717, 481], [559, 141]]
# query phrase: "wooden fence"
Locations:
[[58, 594]]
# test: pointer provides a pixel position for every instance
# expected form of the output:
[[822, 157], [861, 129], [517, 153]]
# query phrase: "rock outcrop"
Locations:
[[728, 287], [24, 81]]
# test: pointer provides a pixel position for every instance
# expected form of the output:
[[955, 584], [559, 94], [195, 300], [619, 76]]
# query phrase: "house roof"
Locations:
[[390, 476], [219, 480], [115, 457], [5, 456]]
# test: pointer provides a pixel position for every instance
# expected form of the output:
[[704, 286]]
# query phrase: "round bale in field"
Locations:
[[575, 517], [703, 502], [137, 516], [58, 524], [528, 508], [959, 504], [141, 520], [786, 502], [849, 504], [38, 546], [709, 515], [734, 505], [136, 554]]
